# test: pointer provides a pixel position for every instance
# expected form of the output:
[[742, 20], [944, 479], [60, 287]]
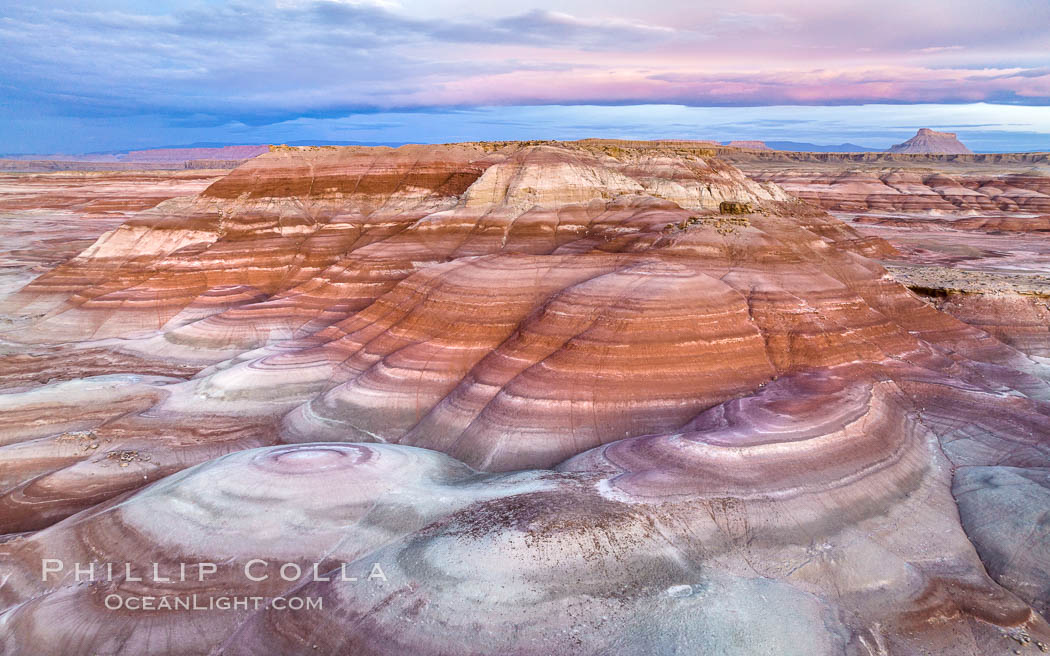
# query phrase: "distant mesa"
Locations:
[[190, 157], [931, 142], [239, 153], [925, 142], [752, 145], [155, 155]]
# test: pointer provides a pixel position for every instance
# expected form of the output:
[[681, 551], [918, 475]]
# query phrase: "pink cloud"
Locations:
[[617, 85]]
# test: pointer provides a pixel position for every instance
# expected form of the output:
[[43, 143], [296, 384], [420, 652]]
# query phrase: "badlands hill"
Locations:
[[565, 403], [927, 141]]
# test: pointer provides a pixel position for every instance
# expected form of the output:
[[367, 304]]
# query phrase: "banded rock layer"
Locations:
[[907, 190], [566, 407], [967, 230]]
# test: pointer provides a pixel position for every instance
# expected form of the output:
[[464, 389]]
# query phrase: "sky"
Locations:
[[79, 76]]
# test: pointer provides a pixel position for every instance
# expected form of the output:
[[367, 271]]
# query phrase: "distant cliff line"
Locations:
[[912, 158], [50, 165]]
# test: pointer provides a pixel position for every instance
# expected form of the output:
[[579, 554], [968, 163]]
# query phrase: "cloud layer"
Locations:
[[205, 64]]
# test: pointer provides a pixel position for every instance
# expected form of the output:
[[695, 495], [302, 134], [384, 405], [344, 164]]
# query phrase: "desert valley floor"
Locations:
[[565, 403]]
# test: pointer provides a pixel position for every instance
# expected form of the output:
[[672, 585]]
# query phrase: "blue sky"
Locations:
[[81, 76]]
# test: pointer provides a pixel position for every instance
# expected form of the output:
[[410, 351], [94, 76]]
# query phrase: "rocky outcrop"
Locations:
[[1015, 307], [927, 141], [733, 207], [561, 402]]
